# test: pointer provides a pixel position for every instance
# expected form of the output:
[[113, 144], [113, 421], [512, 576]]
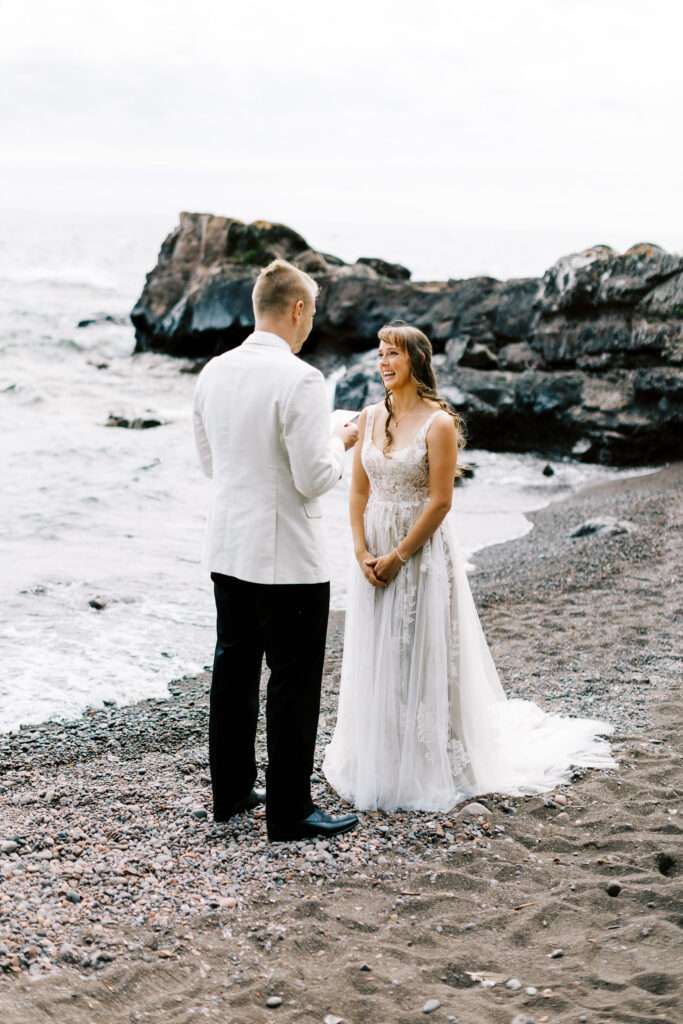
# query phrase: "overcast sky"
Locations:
[[486, 113]]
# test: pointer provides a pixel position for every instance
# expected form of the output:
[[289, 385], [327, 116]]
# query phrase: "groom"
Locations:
[[262, 428]]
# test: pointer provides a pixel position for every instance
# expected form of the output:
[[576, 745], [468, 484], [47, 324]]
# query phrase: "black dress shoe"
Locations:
[[251, 800], [317, 824]]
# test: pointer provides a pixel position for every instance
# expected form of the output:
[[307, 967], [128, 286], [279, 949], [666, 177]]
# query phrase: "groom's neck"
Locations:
[[278, 325]]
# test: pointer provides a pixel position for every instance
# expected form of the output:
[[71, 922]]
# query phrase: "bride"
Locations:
[[423, 720]]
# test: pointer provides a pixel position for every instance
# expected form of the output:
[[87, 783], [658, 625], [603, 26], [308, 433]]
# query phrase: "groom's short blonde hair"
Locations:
[[280, 285]]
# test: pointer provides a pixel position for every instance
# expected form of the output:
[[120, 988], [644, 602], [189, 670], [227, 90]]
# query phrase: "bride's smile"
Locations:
[[394, 367]]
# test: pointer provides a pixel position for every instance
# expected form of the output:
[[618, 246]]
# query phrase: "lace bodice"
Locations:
[[405, 476]]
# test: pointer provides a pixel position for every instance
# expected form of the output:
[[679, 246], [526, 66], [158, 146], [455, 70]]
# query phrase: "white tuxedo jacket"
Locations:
[[262, 427]]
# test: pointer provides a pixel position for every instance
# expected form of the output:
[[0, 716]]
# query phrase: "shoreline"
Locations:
[[472, 504], [146, 905]]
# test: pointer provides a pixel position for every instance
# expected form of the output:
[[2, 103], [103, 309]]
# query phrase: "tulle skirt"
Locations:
[[423, 720]]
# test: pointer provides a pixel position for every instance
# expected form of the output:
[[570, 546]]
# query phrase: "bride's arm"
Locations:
[[442, 449], [359, 493]]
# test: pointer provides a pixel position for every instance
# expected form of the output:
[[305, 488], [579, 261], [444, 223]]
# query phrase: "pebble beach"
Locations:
[[121, 900]]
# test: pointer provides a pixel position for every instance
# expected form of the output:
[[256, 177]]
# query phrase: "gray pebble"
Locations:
[[556, 954], [8, 846], [273, 1001], [431, 1005], [514, 984], [473, 810], [198, 812]]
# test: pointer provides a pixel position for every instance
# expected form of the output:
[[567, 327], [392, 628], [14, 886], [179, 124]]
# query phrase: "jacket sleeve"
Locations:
[[316, 459], [200, 435]]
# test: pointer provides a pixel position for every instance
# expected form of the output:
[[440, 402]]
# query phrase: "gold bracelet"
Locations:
[[401, 560]]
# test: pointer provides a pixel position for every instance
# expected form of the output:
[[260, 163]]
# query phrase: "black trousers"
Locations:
[[287, 623]]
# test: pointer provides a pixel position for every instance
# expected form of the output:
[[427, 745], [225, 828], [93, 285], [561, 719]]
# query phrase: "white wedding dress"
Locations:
[[423, 721]]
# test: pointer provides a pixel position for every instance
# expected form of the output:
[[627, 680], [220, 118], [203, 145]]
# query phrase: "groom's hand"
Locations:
[[347, 434]]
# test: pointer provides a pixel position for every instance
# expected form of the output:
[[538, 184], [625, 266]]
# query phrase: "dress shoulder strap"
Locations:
[[369, 424], [428, 422]]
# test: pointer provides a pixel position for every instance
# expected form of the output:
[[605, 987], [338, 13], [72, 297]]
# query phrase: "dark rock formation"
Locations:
[[585, 361]]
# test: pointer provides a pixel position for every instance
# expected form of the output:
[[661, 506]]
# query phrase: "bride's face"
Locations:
[[394, 366]]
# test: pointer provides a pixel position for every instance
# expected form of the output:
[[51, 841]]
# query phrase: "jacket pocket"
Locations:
[[313, 509]]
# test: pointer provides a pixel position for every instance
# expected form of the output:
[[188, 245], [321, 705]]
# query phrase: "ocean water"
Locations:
[[97, 513]]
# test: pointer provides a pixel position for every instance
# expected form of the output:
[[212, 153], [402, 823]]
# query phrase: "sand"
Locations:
[[407, 909]]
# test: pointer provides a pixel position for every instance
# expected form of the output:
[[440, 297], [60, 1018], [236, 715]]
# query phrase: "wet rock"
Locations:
[[603, 526], [135, 423], [589, 355], [518, 356], [548, 470], [102, 318], [394, 271], [479, 357]]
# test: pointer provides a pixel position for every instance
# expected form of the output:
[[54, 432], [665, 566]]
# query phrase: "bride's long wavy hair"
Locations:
[[419, 349]]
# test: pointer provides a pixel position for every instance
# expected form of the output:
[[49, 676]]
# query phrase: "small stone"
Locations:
[[8, 846], [97, 603], [556, 954], [563, 818], [548, 470], [69, 955], [431, 1005], [521, 1018], [474, 809], [613, 889], [514, 984], [198, 812], [560, 799], [272, 1002], [332, 1019], [73, 897], [365, 967], [531, 991], [469, 927]]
